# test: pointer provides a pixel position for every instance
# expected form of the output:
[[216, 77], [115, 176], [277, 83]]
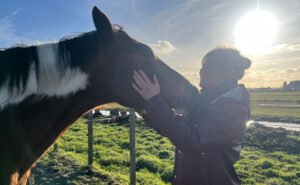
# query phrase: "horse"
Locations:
[[45, 88]]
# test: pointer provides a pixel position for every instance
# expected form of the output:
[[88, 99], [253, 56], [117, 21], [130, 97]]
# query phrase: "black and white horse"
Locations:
[[45, 88]]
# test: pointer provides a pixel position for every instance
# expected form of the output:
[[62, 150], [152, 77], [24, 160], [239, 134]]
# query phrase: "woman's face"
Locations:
[[211, 76]]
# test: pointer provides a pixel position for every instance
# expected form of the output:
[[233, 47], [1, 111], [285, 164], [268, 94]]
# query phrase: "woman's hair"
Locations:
[[228, 58]]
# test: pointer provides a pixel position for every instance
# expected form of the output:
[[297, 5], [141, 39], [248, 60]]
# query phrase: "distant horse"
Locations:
[[45, 88]]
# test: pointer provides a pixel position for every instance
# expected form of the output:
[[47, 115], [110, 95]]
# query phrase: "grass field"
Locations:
[[291, 97], [269, 156], [266, 106], [261, 163], [276, 106]]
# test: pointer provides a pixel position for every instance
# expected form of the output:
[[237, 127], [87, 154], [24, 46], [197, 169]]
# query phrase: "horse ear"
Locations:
[[102, 24]]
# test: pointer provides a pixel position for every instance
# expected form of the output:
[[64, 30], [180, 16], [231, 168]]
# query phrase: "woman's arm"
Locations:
[[223, 124]]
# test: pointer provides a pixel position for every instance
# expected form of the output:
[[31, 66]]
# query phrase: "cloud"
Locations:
[[294, 3], [273, 77], [292, 47], [8, 33], [286, 47], [133, 5], [270, 78], [163, 48], [253, 78], [281, 55], [182, 19], [16, 11]]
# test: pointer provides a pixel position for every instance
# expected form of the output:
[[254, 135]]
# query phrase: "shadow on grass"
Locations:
[[57, 169]]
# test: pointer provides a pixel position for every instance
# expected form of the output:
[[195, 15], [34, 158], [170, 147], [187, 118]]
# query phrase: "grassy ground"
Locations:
[[269, 156], [292, 97], [280, 112], [276, 110], [111, 157], [261, 163]]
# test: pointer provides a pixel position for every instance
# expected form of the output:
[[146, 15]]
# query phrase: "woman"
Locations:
[[208, 140]]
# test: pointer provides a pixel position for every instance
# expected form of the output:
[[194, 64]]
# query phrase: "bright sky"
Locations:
[[180, 32]]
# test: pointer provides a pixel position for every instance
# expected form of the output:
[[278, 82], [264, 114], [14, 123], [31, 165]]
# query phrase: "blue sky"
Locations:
[[46, 20], [179, 31]]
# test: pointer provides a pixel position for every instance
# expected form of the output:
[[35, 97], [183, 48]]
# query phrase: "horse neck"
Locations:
[[47, 70], [179, 92], [57, 74], [47, 116], [45, 121]]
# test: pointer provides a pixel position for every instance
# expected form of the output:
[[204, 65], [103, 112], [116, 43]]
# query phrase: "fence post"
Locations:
[[90, 138], [55, 146], [132, 146]]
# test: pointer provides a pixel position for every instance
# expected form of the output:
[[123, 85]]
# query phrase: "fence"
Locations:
[[131, 138]]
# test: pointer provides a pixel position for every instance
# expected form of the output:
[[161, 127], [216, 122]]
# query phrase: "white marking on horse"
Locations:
[[52, 80], [14, 97]]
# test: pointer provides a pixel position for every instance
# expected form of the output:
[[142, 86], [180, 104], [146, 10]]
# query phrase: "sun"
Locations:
[[255, 32]]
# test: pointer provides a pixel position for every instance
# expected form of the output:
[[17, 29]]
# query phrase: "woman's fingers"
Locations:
[[139, 76], [144, 86], [155, 80], [138, 81], [136, 88], [144, 76]]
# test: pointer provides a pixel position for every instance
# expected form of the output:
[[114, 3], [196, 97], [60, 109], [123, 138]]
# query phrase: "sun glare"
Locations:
[[255, 32]]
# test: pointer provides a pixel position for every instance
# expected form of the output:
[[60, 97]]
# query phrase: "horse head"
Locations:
[[61, 81], [123, 55]]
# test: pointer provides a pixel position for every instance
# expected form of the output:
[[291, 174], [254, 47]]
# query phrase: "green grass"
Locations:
[[264, 113], [111, 157], [276, 114], [293, 97], [261, 163], [269, 156], [279, 112]]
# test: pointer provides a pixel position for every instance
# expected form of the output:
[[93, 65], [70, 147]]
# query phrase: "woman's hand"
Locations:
[[144, 86]]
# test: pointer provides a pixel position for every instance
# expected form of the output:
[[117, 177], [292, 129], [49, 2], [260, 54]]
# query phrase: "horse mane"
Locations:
[[17, 61], [14, 65]]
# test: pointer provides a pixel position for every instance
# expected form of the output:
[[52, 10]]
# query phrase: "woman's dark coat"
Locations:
[[207, 145]]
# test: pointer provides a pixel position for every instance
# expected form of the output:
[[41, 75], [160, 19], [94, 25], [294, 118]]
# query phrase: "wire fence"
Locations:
[[132, 123]]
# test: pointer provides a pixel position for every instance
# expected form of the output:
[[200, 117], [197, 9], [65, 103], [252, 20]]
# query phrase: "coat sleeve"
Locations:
[[223, 124]]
